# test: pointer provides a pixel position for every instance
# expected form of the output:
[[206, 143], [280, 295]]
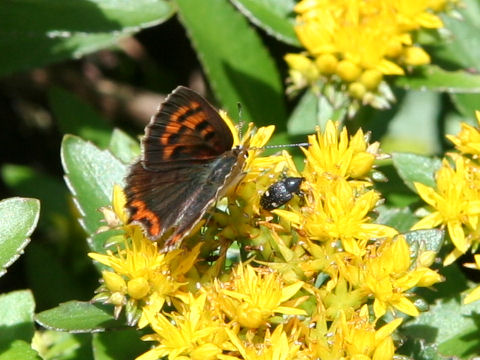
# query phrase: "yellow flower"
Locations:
[[363, 341], [276, 346], [350, 337], [115, 216], [468, 140], [342, 215], [302, 70], [251, 297], [474, 295], [337, 201], [192, 334], [141, 271], [346, 38], [385, 274], [456, 201], [334, 153]]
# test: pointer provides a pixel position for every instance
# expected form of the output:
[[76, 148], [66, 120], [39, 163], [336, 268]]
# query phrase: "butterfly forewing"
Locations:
[[186, 127]]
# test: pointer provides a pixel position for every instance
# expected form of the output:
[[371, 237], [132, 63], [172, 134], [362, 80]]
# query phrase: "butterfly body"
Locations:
[[187, 164]]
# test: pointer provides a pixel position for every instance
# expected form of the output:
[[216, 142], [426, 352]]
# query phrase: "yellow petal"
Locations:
[[379, 308], [118, 202], [387, 329], [450, 258], [289, 310], [428, 222], [428, 194], [455, 230], [406, 306], [290, 290], [288, 215], [473, 296]]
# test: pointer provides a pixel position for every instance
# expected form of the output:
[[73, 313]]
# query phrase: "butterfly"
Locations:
[[188, 162], [281, 192]]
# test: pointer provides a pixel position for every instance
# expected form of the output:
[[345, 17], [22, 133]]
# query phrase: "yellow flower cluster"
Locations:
[[310, 280], [456, 199], [358, 42]]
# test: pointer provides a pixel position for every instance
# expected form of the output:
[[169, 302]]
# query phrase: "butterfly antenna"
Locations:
[[305, 144], [278, 146], [240, 119]]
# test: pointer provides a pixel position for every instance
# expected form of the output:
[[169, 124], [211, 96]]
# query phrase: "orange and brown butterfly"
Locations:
[[188, 162]]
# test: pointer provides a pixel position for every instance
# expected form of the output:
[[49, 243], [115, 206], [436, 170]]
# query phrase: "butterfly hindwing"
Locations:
[[176, 200]]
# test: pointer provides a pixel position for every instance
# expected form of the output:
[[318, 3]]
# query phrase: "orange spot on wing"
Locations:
[[209, 129], [144, 213], [180, 112], [197, 118], [168, 151]]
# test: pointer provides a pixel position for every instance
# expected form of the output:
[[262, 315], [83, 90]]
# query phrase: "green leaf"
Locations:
[[402, 219], [125, 344], [276, 17], [77, 117], [434, 78], [55, 283], [78, 317], [449, 324], [35, 33], [313, 110], [19, 349], [28, 182], [407, 134], [416, 168], [463, 47], [66, 346], [395, 192], [304, 117], [425, 240], [123, 146], [19, 218], [446, 320], [238, 66], [428, 239], [16, 322], [467, 104], [90, 174]]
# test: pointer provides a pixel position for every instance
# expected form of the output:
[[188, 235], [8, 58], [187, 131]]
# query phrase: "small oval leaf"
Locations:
[[19, 219], [276, 17], [123, 146], [78, 317], [90, 174], [35, 33], [416, 168], [16, 320], [429, 239], [434, 78], [238, 65], [401, 219]]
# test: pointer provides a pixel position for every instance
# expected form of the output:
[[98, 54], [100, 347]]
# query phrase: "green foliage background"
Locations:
[[82, 67]]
